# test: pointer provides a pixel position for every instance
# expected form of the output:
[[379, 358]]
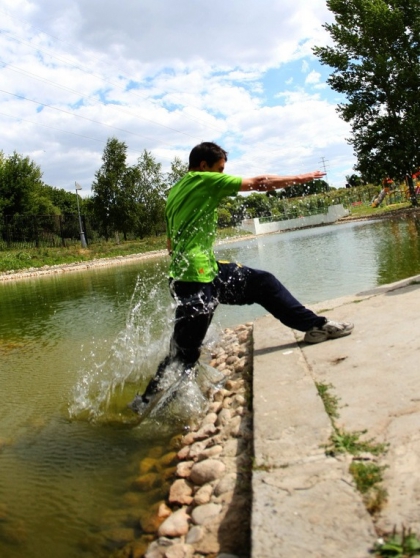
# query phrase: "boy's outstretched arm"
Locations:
[[273, 182]]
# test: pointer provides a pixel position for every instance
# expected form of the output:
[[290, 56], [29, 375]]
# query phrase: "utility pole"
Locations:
[[323, 161], [82, 234]]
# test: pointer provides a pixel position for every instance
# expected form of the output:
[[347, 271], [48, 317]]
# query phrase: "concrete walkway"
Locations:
[[305, 503]]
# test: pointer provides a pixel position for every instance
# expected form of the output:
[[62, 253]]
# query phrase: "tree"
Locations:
[[111, 208], [151, 191], [299, 190], [178, 170], [21, 186], [376, 65]]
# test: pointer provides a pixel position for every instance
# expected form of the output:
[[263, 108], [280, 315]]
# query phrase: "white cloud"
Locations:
[[163, 76], [313, 78]]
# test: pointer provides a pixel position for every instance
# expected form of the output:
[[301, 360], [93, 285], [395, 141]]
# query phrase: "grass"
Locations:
[[330, 401], [399, 545], [350, 442], [366, 210], [367, 475], [20, 259]]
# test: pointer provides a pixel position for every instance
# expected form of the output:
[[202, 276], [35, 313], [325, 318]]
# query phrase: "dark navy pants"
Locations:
[[234, 285]]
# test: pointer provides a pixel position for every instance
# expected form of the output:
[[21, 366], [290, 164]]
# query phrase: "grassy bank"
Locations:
[[20, 259]]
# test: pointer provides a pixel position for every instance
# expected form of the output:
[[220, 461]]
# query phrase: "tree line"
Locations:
[[126, 200]]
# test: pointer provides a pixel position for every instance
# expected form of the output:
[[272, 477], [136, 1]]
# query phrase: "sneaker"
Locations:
[[330, 330], [139, 404]]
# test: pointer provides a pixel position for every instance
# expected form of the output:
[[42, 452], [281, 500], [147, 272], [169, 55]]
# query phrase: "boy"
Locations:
[[199, 283]]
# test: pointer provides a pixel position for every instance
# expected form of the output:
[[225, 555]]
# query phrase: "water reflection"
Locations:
[[74, 350]]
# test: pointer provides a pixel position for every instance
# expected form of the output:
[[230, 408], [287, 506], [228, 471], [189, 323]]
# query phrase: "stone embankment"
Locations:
[[207, 512]]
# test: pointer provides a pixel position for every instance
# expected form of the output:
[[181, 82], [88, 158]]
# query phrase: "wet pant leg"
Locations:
[[193, 315], [236, 284]]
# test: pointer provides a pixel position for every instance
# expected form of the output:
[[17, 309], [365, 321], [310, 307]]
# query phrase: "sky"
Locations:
[[163, 76]]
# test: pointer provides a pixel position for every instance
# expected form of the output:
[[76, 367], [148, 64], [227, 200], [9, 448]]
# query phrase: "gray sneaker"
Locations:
[[330, 330]]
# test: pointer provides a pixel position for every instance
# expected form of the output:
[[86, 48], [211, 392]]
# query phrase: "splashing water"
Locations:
[[100, 392]]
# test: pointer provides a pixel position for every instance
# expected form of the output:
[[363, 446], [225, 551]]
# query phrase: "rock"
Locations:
[[214, 451], [179, 550], [226, 484], [203, 514], [180, 492], [215, 406], [163, 510], [223, 417], [156, 452], [183, 469], [235, 385], [195, 534], [155, 551], [176, 525], [210, 418], [196, 449], [146, 482], [120, 537], [150, 523], [147, 464], [203, 495], [206, 471], [168, 473], [188, 439], [205, 432], [168, 459], [183, 453], [221, 394], [233, 427]]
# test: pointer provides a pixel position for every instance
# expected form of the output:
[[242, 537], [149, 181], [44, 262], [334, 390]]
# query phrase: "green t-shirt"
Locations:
[[191, 219]]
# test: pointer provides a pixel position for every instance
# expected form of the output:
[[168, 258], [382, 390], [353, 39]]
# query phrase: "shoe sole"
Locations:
[[321, 338]]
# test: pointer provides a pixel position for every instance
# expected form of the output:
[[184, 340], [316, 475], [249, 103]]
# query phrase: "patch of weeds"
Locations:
[[330, 401], [400, 545], [367, 477], [350, 442], [263, 467]]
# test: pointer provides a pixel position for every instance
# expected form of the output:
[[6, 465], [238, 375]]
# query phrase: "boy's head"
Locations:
[[206, 155]]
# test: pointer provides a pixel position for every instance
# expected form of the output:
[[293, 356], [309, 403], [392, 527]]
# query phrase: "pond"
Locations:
[[75, 349]]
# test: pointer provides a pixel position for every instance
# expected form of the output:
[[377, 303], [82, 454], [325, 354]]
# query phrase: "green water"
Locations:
[[75, 348]]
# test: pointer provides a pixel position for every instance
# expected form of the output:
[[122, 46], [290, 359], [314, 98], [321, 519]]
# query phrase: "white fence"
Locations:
[[334, 213]]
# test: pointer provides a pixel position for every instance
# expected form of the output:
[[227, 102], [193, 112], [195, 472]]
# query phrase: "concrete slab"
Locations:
[[375, 373]]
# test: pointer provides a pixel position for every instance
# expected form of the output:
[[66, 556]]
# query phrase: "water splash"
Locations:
[[133, 357]]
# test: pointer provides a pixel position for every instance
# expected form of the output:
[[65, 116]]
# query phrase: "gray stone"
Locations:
[[203, 514], [206, 471]]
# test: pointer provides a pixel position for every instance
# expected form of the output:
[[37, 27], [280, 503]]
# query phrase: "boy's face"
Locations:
[[219, 166]]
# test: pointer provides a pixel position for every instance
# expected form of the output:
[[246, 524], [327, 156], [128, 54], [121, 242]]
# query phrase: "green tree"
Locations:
[[63, 201], [150, 193], [375, 58], [178, 170], [307, 189], [21, 186], [257, 205], [111, 208]]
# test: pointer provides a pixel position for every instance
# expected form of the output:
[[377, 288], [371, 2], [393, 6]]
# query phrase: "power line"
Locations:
[[323, 161], [87, 69]]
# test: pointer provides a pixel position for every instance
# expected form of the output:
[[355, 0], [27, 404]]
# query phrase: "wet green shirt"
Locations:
[[191, 219]]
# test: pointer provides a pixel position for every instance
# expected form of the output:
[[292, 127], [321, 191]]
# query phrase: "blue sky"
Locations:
[[163, 76]]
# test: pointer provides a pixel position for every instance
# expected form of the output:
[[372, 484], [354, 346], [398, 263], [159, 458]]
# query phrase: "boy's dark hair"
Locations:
[[206, 151]]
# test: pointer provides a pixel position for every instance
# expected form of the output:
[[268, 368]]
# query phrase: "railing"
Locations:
[[36, 231]]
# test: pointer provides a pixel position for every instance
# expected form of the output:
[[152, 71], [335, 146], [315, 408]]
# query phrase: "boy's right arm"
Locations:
[[274, 182]]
